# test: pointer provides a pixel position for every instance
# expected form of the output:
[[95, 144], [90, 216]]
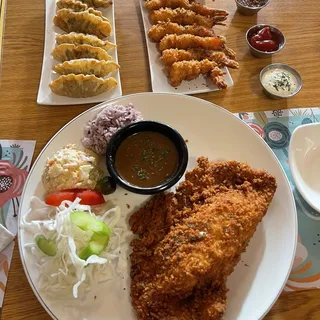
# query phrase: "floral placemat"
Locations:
[[15, 160], [276, 127]]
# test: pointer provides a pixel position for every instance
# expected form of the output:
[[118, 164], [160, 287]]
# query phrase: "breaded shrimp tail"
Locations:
[[222, 60], [216, 76], [218, 15]]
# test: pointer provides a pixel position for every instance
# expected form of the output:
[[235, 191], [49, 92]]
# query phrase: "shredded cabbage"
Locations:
[[65, 273]]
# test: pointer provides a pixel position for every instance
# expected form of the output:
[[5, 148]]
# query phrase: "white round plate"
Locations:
[[213, 132], [304, 152]]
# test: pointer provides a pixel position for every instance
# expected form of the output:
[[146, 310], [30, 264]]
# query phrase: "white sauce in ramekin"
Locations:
[[280, 82]]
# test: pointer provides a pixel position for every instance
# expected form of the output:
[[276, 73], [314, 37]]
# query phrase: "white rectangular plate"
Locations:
[[45, 95], [159, 81]]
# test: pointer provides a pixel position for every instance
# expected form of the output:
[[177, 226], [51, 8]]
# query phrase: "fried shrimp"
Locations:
[[173, 4], [182, 16], [229, 52], [221, 59], [216, 76], [196, 7], [158, 31], [170, 56], [189, 70], [187, 41]]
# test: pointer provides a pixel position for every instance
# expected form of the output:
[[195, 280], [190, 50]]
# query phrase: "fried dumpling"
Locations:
[[98, 3], [98, 14], [83, 21], [79, 6], [72, 4], [86, 66], [81, 86], [67, 51], [80, 38]]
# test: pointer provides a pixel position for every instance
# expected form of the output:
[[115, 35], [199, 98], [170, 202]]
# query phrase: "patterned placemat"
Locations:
[[15, 160], [276, 127]]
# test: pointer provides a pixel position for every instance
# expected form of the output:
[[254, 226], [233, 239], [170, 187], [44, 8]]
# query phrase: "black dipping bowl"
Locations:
[[141, 126]]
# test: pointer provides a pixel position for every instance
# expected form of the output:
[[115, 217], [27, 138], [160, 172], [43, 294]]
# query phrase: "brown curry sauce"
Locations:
[[146, 159]]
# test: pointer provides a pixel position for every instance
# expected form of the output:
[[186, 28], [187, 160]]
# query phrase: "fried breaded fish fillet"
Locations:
[[204, 227], [170, 56], [187, 41], [158, 31], [197, 7], [183, 17], [207, 303]]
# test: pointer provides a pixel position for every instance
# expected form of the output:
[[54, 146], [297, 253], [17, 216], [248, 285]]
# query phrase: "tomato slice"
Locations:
[[55, 198], [90, 197]]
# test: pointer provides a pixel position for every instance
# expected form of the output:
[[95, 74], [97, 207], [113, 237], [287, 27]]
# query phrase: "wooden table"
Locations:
[[22, 118]]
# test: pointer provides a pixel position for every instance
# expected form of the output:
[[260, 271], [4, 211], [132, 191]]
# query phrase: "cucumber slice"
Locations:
[[100, 237], [89, 223], [96, 245], [48, 247]]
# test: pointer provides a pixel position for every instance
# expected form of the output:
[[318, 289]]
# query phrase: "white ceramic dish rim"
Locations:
[[164, 93], [295, 171]]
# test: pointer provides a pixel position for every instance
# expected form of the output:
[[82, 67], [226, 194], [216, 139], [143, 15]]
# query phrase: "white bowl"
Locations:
[[304, 159]]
